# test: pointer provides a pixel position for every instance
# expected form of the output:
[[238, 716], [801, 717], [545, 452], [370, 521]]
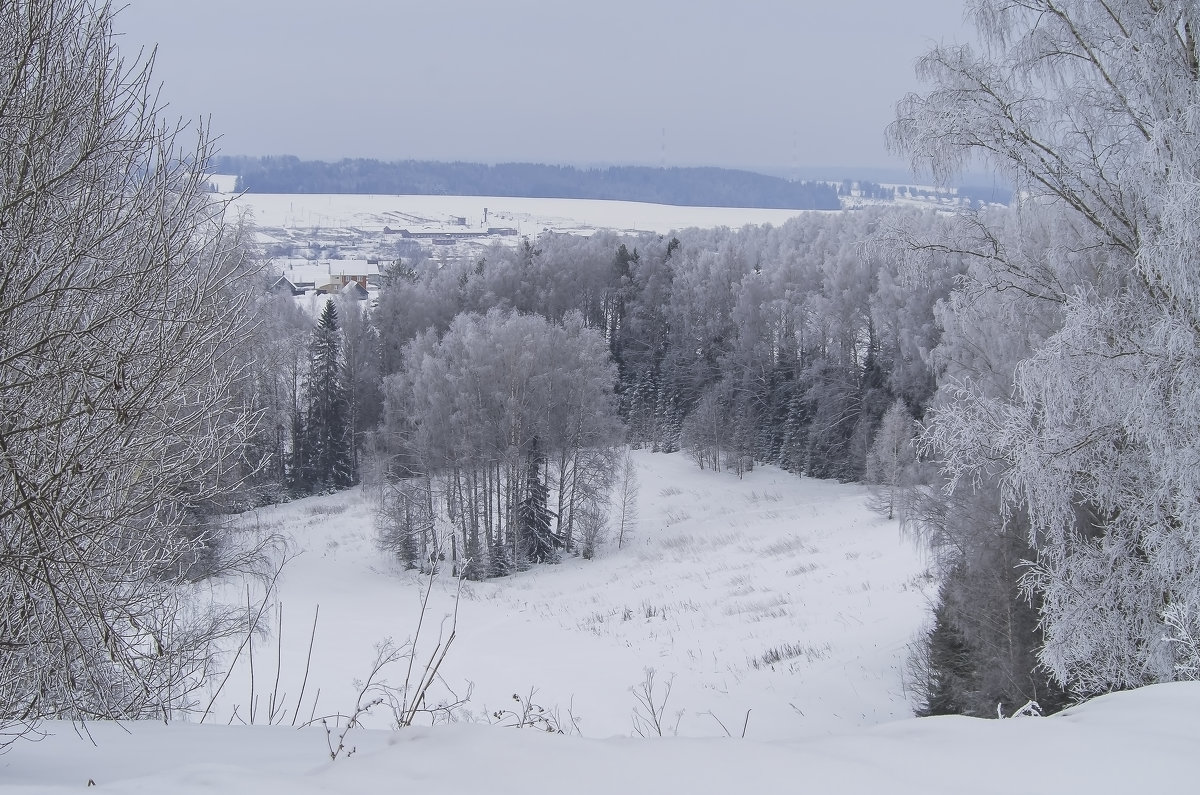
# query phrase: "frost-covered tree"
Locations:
[[276, 358], [1091, 110], [485, 411], [363, 382], [120, 307], [890, 458]]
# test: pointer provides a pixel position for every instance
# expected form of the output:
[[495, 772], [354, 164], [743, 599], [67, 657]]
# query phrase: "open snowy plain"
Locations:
[[528, 216], [772, 606]]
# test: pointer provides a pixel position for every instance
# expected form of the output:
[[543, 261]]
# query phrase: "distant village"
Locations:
[[322, 261]]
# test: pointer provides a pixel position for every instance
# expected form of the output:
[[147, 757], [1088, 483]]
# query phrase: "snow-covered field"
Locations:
[[529, 217], [720, 572], [771, 604]]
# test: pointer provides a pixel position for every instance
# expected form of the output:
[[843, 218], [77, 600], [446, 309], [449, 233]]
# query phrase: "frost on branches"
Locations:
[[117, 429], [1092, 109]]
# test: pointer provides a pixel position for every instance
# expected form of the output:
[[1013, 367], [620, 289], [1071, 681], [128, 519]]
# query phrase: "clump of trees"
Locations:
[[500, 443], [1066, 424], [759, 345], [122, 425], [697, 187]]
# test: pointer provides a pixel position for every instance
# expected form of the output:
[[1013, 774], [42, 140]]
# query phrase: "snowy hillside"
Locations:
[[774, 605], [721, 577]]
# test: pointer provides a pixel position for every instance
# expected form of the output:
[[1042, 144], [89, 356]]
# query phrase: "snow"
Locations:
[[719, 571], [223, 183], [319, 272], [528, 216], [1142, 741]]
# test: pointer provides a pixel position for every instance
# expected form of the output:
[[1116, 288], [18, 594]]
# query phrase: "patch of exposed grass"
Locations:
[[789, 545], [325, 510], [758, 609], [790, 651]]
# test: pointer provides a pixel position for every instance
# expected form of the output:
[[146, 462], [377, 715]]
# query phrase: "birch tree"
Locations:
[[1091, 110], [484, 409], [117, 318], [889, 459]]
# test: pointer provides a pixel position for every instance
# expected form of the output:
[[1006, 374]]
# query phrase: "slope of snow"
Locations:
[[719, 572], [1143, 741]]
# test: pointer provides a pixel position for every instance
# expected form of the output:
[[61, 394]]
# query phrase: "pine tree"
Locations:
[[327, 440], [667, 423], [945, 675], [500, 562], [534, 517], [297, 466], [792, 456]]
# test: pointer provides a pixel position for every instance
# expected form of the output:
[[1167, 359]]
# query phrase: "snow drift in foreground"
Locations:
[[1140, 741]]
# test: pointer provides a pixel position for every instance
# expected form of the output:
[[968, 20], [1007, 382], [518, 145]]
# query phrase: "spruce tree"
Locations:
[[327, 440], [948, 676], [297, 464], [500, 562], [534, 517]]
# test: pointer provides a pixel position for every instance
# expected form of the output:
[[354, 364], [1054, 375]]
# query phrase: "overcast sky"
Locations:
[[769, 84]]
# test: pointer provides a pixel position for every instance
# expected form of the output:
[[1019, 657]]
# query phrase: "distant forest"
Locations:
[[697, 187]]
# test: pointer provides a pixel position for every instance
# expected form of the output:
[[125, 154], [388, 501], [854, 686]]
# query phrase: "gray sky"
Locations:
[[755, 83]]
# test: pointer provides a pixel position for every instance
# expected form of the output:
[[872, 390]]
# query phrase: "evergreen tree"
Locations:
[[297, 466], [667, 423], [945, 673], [534, 517], [327, 439], [792, 453], [499, 558]]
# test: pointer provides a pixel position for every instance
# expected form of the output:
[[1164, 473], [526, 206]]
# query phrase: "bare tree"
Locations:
[[626, 498], [118, 319]]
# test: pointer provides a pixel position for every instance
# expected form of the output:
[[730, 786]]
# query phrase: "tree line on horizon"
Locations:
[[697, 187]]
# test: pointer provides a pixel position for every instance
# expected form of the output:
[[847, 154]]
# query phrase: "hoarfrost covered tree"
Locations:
[[1092, 110], [890, 458], [360, 357], [117, 318], [482, 412], [278, 356]]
